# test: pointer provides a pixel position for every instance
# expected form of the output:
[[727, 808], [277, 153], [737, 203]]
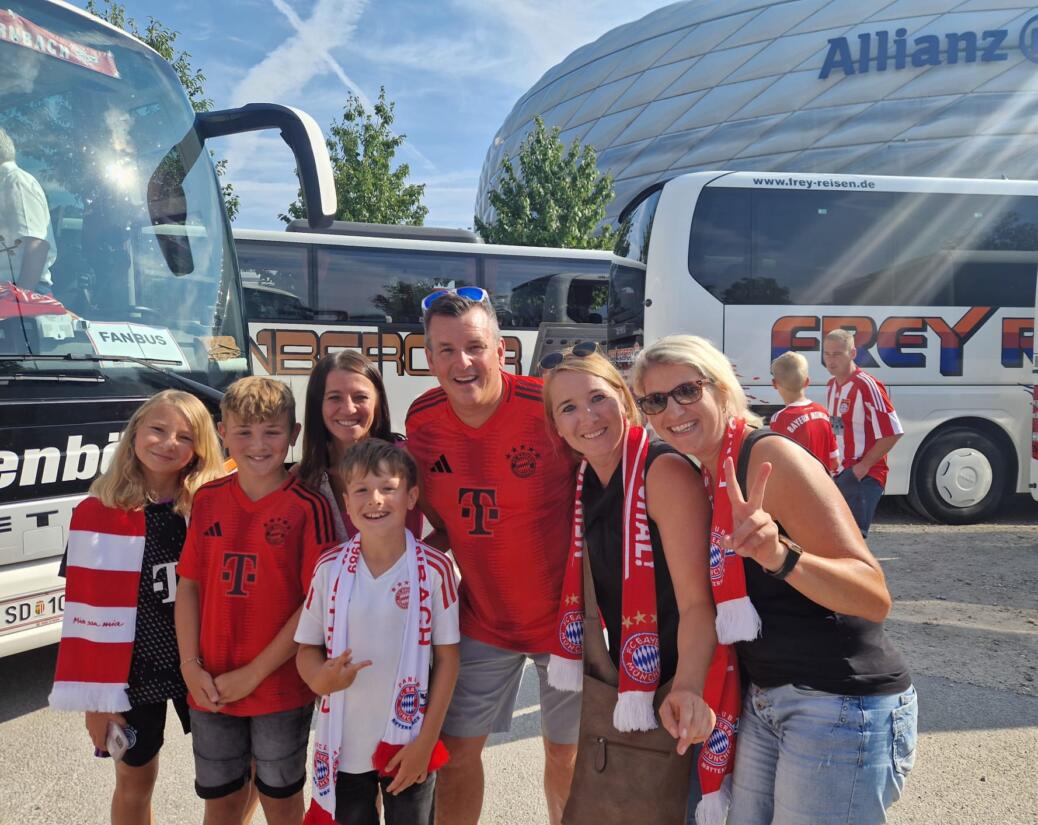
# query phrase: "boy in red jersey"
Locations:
[[803, 420], [246, 565], [498, 489], [863, 416]]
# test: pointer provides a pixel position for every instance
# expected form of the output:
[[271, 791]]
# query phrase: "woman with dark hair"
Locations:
[[345, 403]]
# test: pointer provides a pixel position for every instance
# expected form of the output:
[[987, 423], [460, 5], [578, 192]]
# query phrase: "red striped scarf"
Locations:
[[103, 570]]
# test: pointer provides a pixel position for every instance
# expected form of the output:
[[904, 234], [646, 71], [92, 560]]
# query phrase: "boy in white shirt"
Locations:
[[379, 644]]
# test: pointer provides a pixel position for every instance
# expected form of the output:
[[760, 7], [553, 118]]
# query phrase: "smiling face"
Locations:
[[164, 445], [378, 502], [695, 429], [466, 360], [258, 448], [349, 406], [588, 415]]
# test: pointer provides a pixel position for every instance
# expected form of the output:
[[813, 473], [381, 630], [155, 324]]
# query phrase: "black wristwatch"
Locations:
[[793, 553]]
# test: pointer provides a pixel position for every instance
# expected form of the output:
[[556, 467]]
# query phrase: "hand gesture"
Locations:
[[754, 532], [411, 763], [236, 684], [97, 727], [338, 673], [202, 687], [687, 717]]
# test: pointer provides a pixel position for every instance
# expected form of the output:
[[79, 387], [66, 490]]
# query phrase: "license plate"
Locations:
[[31, 611]]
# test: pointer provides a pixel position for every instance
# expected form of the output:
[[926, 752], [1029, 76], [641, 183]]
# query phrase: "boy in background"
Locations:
[[382, 611], [251, 546], [802, 420]]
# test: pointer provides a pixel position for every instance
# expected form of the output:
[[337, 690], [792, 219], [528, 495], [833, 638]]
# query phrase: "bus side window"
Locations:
[[529, 291], [274, 281]]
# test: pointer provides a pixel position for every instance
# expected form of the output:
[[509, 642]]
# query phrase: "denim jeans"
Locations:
[[862, 497], [805, 757]]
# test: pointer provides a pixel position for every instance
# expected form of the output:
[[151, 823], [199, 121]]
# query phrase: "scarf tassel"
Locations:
[[737, 621], [92, 696], [713, 807], [565, 674], [386, 751], [634, 711]]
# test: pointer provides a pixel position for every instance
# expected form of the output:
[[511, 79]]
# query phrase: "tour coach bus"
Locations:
[[145, 290], [935, 277], [308, 293]]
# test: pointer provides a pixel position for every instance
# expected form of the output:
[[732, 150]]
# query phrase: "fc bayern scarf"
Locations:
[[737, 618], [412, 676], [102, 573], [639, 639]]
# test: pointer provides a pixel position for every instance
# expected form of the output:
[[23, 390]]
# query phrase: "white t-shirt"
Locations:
[[377, 617], [23, 214]]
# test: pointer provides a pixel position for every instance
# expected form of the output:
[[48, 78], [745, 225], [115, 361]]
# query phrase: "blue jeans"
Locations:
[[805, 757], [862, 497]]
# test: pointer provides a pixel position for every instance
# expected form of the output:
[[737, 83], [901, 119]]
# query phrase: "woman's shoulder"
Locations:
[[659, 448]]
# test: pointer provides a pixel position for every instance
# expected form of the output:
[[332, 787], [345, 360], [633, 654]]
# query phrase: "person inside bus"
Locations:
[[828, 726], [26, 236], [345, 403]]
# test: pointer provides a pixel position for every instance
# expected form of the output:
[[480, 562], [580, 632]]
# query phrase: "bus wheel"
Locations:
[[960, 477]]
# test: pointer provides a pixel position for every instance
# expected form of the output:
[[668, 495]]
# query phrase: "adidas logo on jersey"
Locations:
[[213, 530], [441, 465]]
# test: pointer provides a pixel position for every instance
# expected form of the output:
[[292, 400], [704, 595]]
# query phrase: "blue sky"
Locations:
[[454, 68]]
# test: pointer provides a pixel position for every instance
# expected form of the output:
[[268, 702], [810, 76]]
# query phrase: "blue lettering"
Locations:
[[993, 49], [928, 52], [955, 39], [838, 57]]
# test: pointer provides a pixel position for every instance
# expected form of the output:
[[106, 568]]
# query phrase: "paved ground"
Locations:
[[966, 615]]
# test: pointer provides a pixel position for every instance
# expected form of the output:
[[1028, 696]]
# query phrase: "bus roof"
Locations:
[[388, 230]]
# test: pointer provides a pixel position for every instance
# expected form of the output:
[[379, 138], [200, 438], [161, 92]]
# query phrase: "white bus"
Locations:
[[307, 293], [146, 294], [936, 277]]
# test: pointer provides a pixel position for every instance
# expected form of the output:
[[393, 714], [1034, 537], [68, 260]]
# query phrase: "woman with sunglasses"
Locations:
[[667, 600], [345, 403], [828, 726]]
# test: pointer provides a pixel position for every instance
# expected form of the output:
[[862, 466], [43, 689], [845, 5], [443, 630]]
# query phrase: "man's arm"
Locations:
[[874, 454], [34, 260], [438, 538], [239, 683]]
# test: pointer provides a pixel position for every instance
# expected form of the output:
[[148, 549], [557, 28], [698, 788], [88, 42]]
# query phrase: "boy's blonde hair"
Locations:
[[257, 398], [122, 485], [599, 366], [790, 371], [702, 356]]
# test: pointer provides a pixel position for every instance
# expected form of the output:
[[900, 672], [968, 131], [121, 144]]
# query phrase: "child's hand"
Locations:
[[202, 687], [412, 763], [97, 727], [236, 684], [337, 673]]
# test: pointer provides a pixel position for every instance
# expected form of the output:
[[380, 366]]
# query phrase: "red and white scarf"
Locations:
[[102, 572], [412, 677]]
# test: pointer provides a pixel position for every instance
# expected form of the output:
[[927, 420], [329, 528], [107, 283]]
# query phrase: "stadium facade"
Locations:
[[909, 87]]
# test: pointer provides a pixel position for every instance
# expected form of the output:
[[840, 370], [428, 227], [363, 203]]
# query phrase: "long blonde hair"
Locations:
[[122, 485], [708, 360]]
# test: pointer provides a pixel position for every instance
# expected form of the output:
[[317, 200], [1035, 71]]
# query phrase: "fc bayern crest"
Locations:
[[408, 705], [571, 632], [844, 406], [641, 658], [523, 460], [322, 770], [717, 750], [716, 562]]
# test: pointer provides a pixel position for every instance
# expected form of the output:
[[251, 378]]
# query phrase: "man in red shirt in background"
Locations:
[[801, 419], [498, 489], [863, 416]]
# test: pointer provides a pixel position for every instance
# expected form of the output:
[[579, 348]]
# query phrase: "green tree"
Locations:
[[162, 40], [556, 197], [362, 147]]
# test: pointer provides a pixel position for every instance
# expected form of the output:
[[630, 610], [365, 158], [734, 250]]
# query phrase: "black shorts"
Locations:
[[149, 722]]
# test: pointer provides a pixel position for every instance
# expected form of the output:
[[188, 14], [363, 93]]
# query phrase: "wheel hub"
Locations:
[[964, 477]]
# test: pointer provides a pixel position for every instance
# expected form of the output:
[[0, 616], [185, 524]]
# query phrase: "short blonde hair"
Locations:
[[599, 366], [699, 354], [257, 398], [790, 371], [844, 336], [122, 485]]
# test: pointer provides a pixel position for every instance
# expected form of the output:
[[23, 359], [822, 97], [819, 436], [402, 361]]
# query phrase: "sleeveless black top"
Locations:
[[806, 644], [603, 534]]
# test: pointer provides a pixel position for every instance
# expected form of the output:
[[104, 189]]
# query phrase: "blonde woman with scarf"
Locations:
[[828, 726]]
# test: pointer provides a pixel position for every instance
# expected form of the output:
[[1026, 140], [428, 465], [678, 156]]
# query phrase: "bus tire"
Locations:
[[960, 477]]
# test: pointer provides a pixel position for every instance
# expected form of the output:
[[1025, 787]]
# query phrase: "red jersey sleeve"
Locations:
[[317, 538], [190, 564], [878, 407]]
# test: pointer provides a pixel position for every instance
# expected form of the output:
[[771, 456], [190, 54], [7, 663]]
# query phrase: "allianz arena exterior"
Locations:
[[858, 86]]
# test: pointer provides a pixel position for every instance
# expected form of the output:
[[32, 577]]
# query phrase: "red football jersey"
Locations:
[[808, 424], [861, 409], [253, 561], [504, 491]]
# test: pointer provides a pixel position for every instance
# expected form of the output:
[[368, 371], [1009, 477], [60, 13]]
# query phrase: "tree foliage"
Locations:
[[163, 40], [556, 196], [362, 147]]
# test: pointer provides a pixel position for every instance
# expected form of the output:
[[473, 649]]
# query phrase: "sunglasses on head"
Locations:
[[581, 350], [688, 393], [472, 293]]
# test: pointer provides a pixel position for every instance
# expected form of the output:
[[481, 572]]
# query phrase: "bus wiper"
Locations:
[[170, 378]]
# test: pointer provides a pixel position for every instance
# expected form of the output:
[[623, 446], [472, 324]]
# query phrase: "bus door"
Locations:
[[1034, 405]]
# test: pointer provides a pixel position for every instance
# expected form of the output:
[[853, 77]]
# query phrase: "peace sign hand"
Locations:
[[754, 532]]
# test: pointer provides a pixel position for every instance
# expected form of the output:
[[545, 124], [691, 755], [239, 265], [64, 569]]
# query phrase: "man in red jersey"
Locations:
[[863, 416], [498, 489]]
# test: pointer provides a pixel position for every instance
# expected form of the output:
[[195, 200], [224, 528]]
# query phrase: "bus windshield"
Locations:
[[115, 252]]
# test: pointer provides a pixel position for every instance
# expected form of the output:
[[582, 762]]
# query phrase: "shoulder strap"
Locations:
[[752, 437], [596, 655]]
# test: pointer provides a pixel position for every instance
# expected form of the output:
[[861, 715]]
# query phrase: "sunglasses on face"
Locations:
[[688, 393], [473, 293], [581, 350]]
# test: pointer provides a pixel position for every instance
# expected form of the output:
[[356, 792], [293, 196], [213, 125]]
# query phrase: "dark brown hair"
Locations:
[[452, 305], [373, 455]]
